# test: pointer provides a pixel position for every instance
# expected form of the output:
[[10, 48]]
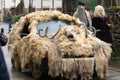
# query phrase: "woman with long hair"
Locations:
[[100, 21]]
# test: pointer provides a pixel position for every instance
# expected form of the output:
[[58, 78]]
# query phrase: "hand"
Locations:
[[110, 25], [118, 14], [2, 33]]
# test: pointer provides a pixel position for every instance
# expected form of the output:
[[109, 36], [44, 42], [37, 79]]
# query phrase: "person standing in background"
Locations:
[[82, 14], [100, 22], [9, 19]]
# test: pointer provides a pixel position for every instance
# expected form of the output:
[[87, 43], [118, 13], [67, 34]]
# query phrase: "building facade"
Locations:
[[2, 9], [5, 5], [44, 4]]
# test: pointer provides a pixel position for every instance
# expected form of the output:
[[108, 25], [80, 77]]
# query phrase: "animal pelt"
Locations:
[[15, 57], [86, 68], [71, 40], [102, 52], [69, 68], [72, 68], [54, 60], [90, 46], [76, 44], [32, 47]]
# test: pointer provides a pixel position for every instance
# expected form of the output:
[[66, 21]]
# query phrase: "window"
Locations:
[[52, 26], [46, 8], [59, 8], [25, 31]]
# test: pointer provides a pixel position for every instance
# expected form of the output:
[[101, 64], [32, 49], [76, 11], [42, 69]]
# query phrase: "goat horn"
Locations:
[[46, 31], [91, 28], [56, 32], [86, 35]]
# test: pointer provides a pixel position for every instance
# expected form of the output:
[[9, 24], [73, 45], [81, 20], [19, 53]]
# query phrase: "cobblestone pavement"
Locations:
[[114, 73]]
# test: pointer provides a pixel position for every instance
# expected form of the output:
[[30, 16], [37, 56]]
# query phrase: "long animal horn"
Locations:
[[91, 28], [56, 32], [46, 31], [86, 35]]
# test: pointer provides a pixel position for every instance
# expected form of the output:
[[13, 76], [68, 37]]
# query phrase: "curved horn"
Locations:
[[56, 32], [46, 31], [93, 30], [86, 35]]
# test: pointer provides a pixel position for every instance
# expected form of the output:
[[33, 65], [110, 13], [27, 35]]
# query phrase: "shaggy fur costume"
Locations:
[[68, 51]]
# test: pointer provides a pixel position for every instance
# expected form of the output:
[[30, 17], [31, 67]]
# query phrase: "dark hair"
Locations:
[[2, 30], [81, 3]]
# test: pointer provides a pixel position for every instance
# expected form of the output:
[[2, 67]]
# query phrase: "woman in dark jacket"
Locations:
[[100, 22], [4, 75]]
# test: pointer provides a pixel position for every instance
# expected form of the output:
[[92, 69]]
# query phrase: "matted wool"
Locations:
[[72, 40]]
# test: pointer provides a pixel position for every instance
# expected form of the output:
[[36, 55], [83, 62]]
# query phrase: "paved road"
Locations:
[[114, 74]]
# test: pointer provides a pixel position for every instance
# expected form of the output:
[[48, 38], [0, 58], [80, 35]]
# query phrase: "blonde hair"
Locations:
[[97, 12]]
